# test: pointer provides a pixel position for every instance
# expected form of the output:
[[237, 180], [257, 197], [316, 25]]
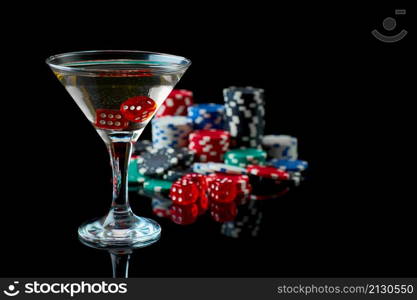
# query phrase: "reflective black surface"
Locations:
[[328, 81]]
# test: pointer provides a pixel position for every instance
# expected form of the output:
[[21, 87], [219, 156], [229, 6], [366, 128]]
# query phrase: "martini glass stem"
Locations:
[[120, 153]]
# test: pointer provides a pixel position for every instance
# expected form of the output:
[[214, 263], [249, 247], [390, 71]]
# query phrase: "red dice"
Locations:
[[184, 214], [184, 192], [200, 181], [110, 119], [243, 186], [138, 109], [222, 190], [223, 212], [202, 203]]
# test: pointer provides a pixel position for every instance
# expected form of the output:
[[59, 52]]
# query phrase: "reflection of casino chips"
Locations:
[[244, 115], [280, 146], [161, 206], [142, 146], [289, 165], [247, 222], [263, 186], [176, 104], [243, 157], [206, 116], [171, 131], [209, 145], [157, 161], [295, 178], [278, 194]]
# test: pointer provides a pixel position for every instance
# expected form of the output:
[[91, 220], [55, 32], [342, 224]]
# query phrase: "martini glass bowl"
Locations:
[[119, 91]]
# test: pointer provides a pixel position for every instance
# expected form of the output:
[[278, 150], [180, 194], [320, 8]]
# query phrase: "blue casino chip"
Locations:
[[289, 165], [207, 116]]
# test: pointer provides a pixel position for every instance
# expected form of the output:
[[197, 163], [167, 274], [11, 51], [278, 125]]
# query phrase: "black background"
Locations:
[[344, 94]]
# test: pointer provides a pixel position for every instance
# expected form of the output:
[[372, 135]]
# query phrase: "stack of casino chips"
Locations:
[[244, 157], [209, 145], [176, 104], [171, 131], [245, 116], [182, 146], [280, 146], [206, 115]]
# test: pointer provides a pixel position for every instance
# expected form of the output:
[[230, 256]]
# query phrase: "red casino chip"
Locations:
[[176, 104], [207, 134], [138, 109], [267, 172], [209, 145]]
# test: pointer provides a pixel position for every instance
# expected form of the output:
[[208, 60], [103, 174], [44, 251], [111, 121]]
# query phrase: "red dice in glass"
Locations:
[[138, 109], [110, 119]]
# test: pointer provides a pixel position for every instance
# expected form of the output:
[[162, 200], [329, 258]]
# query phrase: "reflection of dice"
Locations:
[[223, 212], [184, 214], [110, 119]]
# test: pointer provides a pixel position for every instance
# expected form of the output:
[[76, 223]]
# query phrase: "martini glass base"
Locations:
[[137, 232]]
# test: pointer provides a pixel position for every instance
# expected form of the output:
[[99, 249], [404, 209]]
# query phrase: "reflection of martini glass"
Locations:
[[120, 258], [119, 92]]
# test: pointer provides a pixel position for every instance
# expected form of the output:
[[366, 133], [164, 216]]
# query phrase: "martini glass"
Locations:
[[119, 92]]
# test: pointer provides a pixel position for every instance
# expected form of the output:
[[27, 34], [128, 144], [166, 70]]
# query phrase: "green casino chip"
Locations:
[[244, 157], [157, 185]]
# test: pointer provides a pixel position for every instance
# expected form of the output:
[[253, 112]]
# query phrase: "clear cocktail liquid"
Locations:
[[108, 90]]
